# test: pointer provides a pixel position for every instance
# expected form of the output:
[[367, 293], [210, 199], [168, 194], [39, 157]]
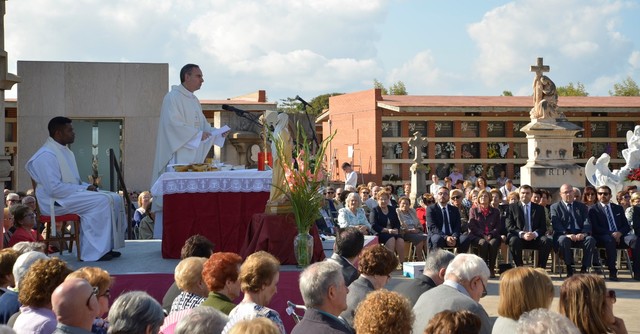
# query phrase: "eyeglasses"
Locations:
[[13, 200], [604, 193], [107, 294], [484, 289], [455, 197], [94, 291], [330, 192], [612, 294]]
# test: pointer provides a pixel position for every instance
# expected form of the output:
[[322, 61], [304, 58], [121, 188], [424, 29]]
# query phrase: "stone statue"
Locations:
[[598, 172], [545, 96], [280, 121]]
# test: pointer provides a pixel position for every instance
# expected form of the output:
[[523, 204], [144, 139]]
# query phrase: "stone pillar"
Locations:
[[550, 148]]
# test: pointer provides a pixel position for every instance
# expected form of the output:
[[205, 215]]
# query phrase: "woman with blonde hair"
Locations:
[[259, 276], [585, 300], [353, 214], [384, 312], [188, 276], [100, 279], [522, 289]]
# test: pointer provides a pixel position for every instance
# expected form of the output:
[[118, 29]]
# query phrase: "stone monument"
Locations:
[[549, 138], [7, 80], [418, 169]]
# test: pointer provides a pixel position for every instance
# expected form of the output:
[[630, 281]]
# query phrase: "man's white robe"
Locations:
[[102, 215], [180, 131]]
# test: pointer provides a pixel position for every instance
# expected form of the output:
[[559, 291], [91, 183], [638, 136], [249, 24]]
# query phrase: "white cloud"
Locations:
[[579, 39], [634, 60], [420, 74]]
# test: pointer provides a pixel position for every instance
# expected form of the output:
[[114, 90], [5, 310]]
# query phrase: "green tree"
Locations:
[[321, 102], [290, 105], [378, 85], [398, 88], [571, 90], [628, 87], [507, 93]]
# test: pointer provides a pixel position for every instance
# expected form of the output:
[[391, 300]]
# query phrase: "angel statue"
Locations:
[[599, 174], [280, 122], [631, 154]]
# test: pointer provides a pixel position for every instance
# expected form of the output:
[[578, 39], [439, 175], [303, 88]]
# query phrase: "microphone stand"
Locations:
[[312, 125]]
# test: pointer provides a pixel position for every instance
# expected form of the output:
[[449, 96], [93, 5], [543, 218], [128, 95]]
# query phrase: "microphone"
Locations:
[[238, 111], [303, 101]]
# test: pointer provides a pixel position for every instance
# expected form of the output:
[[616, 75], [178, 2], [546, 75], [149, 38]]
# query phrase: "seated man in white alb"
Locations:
[[60, 191]]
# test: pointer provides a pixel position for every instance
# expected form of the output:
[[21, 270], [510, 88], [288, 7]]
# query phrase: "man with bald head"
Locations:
[[75, 303]]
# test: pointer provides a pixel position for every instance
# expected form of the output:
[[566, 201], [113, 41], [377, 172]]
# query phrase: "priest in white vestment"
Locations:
[[184, 135], [60, 191]]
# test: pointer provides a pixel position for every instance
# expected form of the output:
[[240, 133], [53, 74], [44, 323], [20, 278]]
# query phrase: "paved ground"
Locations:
[[627, 290]]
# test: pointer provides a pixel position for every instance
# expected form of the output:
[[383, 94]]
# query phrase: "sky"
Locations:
[[313, 47]]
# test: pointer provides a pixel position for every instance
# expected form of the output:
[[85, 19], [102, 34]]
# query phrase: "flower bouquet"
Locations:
[[304, 177]]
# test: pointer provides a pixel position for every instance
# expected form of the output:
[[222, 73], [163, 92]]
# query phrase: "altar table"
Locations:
[[217, 205]]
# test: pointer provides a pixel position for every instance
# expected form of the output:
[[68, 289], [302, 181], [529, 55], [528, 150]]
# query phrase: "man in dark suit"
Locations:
[[526, 225], [571, 229], [611, 230], [325, 296], [432, 276], [444, 223], [348, 245]]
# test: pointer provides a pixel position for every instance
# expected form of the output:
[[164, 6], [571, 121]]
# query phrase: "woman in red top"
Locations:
[[24, 219]]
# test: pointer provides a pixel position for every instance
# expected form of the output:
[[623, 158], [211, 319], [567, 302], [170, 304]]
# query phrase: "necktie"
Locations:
[[527, 218], [445, 218], [572, 218], [612, 224]]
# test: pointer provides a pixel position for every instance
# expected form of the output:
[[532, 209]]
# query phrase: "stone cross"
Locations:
[[539, 68], [417, 143], [418, 170]]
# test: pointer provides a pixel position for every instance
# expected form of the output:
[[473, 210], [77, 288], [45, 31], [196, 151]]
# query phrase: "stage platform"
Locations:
[[141, 267]]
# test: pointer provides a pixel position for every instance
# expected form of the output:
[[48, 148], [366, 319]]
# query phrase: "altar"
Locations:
[[218, 205]]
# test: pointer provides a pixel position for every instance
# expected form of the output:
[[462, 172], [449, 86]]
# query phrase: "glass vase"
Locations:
[[303, 248]]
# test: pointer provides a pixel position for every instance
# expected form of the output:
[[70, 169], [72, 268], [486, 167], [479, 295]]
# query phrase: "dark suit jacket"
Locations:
[[358, 290], [414, 288], [600, 224], [349, 272], [561, 218], [435, 220], [316, 322], [516, 223], [636, 220]]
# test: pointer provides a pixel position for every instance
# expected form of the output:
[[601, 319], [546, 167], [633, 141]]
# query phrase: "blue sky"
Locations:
[[311, 47]]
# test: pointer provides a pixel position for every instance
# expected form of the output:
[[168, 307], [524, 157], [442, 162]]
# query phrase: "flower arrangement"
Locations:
[[304, 177], [634, 174]]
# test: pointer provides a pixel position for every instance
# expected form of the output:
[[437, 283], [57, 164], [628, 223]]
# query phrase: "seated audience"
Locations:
[[545, 321], [633, 213], [325, 296], [485, 230], [75, 312], [353, 215], [383, 312], [585, 300], [346, 249], [444, 223], [135, 312], [9, 303], [458, 322], [623, 199], [202, 320], [100, 279], [425, 201], [432, 276], [465, 283], [28, 246], [24, 221], [36, 288], [411, 228], [457, 196], [198, 246], [481, 184], [11, 200], [384, 220], [259, 276], [589, 196], [376, 265], [365, 194], [220, 273], [188, 277], [522, 289]]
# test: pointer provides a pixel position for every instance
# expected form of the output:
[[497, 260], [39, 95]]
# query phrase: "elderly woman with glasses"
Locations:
[[633, 213], [24, 220], [353, 215], [456, 200], [101, 281]]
